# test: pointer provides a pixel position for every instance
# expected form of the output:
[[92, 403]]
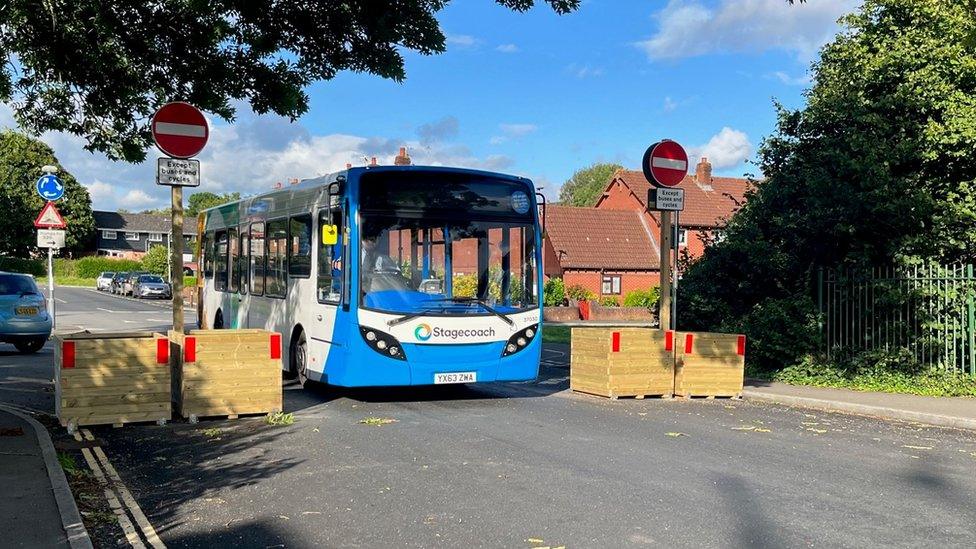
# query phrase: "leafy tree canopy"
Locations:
[[203, 200], [586, 185], [876, 168], [100, 68], [156, 261], [21, 158]]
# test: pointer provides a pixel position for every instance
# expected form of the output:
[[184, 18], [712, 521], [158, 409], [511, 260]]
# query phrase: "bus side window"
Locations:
[[208, 255], [257, 259], [233, 253], [329, 284], [276, 275], [300, 246], [220, 262]]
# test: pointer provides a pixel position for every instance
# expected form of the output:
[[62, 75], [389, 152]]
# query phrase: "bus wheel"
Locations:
[[299, 358], [218, 320]]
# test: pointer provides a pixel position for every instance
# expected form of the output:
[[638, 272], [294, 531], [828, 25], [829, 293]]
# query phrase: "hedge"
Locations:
[[92, 266], [34, 267]]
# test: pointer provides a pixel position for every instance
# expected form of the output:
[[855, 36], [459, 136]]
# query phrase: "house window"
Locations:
[[682, 237], [110, 235], [132, 236], [155, 237], [611, 285]]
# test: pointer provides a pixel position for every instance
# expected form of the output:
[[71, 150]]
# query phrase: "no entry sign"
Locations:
[[180, 130], [665, 164]]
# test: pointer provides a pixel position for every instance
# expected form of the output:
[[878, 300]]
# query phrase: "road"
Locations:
[[522, 465]]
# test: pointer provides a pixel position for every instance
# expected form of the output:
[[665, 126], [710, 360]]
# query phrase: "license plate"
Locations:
[[455, 377], [27, 310]]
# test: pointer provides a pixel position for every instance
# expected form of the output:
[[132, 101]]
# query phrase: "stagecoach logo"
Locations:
[[422, 332]]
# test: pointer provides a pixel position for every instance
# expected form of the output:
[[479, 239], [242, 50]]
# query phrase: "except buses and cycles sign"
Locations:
[[665, 163]]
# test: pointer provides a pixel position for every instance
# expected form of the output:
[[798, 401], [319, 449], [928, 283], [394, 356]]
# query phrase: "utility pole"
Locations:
[[176, 258], [667, 234]]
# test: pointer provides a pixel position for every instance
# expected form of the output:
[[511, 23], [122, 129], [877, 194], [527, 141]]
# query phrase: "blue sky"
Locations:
[[536, 94]]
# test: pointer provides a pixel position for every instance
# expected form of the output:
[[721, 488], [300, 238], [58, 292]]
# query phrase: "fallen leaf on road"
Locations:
[[311, 512], [762, 430], [746, 428], [315, 429], [676, 434], [377, 421], [535, 540], [642, 413], [818, 431], [283, 517], [809, 423], [729, 407], [909, 446]]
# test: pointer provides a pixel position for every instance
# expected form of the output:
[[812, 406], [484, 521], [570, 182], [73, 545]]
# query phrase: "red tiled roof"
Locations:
[[705, 205], [600, 239]]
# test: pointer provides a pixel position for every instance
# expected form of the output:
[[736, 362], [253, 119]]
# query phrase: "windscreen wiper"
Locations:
[[484, 304], [407, 317]]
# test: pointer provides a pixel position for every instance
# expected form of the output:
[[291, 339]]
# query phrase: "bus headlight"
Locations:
[[520, 340], [382, 343]]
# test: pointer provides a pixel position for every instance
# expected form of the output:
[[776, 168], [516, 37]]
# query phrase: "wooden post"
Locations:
[[176, 259], [666, 245]]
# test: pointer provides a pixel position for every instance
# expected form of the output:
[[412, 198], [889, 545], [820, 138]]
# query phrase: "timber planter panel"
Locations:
[[111, 378], [622, 362], [709, 364], [226, 373]]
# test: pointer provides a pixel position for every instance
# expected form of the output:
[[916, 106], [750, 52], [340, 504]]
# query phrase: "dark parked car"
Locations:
[[23, 314], [151, 286], [116, 286]]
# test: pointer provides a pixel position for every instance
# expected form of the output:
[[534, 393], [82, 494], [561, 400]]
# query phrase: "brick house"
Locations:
[[709, 202], [131, 235], [609, 252]]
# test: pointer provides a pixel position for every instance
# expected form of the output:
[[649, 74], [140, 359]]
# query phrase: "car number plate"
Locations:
[[455, 377], [27, 310]]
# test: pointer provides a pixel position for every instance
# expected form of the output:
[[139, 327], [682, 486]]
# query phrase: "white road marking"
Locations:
[[113, 501], [130, 502], [59, 300]]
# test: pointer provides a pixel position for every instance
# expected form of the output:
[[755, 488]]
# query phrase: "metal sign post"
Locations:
[[176, 259], [50, 218]]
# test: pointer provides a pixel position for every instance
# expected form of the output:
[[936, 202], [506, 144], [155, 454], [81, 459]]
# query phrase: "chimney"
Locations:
[[402, 159], [703, 172], [372, 161]]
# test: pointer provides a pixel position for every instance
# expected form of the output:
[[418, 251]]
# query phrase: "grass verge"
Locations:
[[67, 281], [555, 334]]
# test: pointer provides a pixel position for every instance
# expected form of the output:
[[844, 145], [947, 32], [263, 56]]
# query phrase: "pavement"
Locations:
[[527, 464], [959, 413]]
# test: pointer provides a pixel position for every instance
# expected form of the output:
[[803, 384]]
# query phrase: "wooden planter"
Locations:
[[226, 373], [622, 362], [111, 379], [709, 364]]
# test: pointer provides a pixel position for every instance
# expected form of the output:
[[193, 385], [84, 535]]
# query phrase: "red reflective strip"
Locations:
[[669, 340], [190, 349], [689, 343], [741, 350], [68, 354], [275, 346], [162, 351], [616, 342]]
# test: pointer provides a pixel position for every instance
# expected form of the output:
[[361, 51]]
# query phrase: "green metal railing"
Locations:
[[926, 310]]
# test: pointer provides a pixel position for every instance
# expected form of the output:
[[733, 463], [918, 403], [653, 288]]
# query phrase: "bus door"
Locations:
[[330, 242]]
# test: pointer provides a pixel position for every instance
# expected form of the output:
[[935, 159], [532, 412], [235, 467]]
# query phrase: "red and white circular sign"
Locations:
[[180, 130], [665, 163]]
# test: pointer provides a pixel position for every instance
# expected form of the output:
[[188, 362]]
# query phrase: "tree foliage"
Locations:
[[100, 68], [203, 200], [876, 168], [586, 185], [21, 158], [156, 261]]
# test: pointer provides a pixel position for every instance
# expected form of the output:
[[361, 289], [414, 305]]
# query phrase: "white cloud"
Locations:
[[507, 48], [584, 71], [670, 104], [785, 78], [726, 149], [690, 29], [139, 199], [512, 131], [100, 191], [462, 40]]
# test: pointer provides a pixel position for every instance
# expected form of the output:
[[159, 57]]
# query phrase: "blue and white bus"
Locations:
[[383, 275]]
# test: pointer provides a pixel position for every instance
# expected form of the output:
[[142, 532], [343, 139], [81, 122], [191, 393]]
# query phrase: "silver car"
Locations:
[[151, 286], [24, 320], [104, 281]]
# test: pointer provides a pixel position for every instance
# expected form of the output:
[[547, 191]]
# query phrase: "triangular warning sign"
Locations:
[[50, 218]]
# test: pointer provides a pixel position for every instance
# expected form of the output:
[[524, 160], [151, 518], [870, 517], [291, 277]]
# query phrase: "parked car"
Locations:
[[116, 286], [151, 286], [24, 320], [130, 282], [104, 281]]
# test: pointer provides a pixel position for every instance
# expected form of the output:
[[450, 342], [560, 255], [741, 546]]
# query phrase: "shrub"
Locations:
[[34, 267], [92, 266], [156, 260], [554, 292], [465, 285], [642, 298], [579, 292], [65, 268], [609, 301]]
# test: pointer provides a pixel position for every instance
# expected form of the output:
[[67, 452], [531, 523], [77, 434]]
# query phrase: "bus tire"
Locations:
[[299, 357], [218, 323]]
